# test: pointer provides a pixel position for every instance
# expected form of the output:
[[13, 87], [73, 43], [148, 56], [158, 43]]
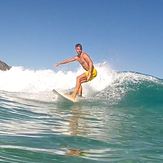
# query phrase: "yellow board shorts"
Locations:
[[94, 74]]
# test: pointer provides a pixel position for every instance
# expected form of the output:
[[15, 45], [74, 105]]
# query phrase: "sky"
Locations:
[[127, 34]]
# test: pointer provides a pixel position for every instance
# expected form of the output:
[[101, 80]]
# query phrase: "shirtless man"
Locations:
[[86, 62]]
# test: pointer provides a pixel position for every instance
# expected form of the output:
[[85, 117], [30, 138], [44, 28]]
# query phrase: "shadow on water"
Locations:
[[74, 127], [86, 128]]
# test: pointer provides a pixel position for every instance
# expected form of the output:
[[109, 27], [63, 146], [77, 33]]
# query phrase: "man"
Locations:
[[86, 62]]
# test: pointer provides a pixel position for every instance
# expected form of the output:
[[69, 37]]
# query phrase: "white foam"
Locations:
[[20, 79], [38, 84]]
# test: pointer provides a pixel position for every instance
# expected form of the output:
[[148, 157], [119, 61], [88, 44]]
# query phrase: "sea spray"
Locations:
[[20, 79]]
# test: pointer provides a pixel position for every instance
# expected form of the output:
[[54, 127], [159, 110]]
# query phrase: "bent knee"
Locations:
[[78, 78]]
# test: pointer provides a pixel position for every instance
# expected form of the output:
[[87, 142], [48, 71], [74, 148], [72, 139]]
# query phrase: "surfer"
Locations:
[[86, 62]]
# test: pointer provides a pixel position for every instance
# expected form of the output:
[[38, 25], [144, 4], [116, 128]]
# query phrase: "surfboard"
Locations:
[[64, 96]]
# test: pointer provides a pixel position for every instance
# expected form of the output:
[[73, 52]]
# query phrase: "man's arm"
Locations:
[[66, 61]]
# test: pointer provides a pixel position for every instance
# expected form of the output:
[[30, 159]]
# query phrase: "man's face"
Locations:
[[78, 50]]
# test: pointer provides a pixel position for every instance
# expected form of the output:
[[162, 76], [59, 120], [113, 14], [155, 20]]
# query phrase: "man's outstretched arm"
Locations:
[[66, 61]]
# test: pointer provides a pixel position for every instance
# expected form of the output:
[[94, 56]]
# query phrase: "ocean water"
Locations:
[[120, 118]]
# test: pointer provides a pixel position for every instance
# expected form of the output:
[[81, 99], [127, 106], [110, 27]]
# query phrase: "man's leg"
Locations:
[[80, 91], [79, 80]]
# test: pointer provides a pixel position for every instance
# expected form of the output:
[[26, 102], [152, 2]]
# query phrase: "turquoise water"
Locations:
[[121, 123]]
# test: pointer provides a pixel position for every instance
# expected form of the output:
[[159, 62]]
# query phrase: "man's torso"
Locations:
[[83, 61]]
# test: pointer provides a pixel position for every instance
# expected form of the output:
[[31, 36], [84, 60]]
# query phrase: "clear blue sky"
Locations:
[[128, 34]]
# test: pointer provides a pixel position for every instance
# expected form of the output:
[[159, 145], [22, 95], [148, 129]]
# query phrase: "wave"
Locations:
[[134, 89], [126, 88]]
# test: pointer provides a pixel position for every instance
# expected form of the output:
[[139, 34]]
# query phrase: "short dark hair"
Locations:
[[78, 45]]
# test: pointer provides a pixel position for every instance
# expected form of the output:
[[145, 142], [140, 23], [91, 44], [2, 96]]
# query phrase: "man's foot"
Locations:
[[70, 93], [80, 95], [70, 96]]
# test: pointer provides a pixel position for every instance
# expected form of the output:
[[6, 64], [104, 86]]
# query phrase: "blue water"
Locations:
[[121, 123]]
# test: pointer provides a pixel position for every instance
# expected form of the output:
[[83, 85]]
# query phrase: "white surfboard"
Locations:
[[64, 96]]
